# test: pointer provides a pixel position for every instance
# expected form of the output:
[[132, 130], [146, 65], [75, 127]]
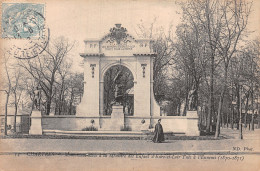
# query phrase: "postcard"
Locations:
[[130, 85]]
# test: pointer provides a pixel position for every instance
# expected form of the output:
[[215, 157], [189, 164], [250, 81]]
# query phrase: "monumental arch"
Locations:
[[118, 48]]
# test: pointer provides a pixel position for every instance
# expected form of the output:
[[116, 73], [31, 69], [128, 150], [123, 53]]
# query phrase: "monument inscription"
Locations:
[[118, 47]]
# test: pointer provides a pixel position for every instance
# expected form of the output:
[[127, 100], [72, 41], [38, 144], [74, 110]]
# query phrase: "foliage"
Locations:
[[210, 54], [126, 81], [208, 38], [61, 89], [90, 128], [126, 128]]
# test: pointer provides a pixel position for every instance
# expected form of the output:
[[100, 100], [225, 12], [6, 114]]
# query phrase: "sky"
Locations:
[[79, 20], [92, 19]]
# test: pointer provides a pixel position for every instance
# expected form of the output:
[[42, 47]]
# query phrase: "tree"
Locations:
[[7, 88], [61, 84], [45, 67], [244, 66], [190, 58], [221, 25], [163, 46], [16, 90], [12, 85], [250, 73], [200, 15], [232, 27]]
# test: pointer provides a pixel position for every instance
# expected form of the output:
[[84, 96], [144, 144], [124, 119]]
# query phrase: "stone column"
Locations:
[[101, 98]]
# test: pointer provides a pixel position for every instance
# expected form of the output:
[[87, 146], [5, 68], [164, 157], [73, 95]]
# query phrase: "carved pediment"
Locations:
[[118, 43], [126, 44]]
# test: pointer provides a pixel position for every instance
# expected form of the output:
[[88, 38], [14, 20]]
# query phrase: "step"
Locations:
[[105, 133]]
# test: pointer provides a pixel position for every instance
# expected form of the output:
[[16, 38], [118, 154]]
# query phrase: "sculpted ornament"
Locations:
[[118, 34]]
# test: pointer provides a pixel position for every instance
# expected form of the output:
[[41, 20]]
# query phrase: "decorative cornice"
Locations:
[[145, 54], [108, 35], [91, 54]]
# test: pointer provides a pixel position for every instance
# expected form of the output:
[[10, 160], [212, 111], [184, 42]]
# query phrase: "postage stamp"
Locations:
[[22, 20], [24, 27]]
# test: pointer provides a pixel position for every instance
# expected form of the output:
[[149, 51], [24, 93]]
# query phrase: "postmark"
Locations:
[[24, 29], [29, 48]]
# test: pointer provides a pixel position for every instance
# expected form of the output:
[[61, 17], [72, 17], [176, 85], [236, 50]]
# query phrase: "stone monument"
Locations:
[[117, 116], [192, 114], [36, 116], [119, 48], [192, 101]]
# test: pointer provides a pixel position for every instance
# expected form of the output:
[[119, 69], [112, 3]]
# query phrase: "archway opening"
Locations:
[[118, 82]]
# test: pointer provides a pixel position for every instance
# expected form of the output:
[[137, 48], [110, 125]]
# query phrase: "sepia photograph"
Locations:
[[130, 85]]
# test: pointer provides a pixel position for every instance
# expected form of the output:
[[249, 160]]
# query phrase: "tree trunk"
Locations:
[[221, 104], [185, 106], [179, 109], [238, 106], [222, 122], [212, 66], [232, 107], [71, 100], [227, 119], [6, 106], [219, 113], [15, 113], [49, 96], [61, 97], [252, 120], [246, 110], [48, 106], [232, 116], [211, 98], [187, 92]]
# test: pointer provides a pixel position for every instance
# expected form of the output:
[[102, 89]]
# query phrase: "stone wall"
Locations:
[[22, 123], [69, 123], [173, 123], [176, 124]]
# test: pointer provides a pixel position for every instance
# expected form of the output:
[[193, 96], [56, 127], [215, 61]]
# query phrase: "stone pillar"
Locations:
[[135, 102], [101, 98], [36, 123], [192, 123], [117, 118], [89, 106], [155, 108], [142, 87], [151, 87]]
